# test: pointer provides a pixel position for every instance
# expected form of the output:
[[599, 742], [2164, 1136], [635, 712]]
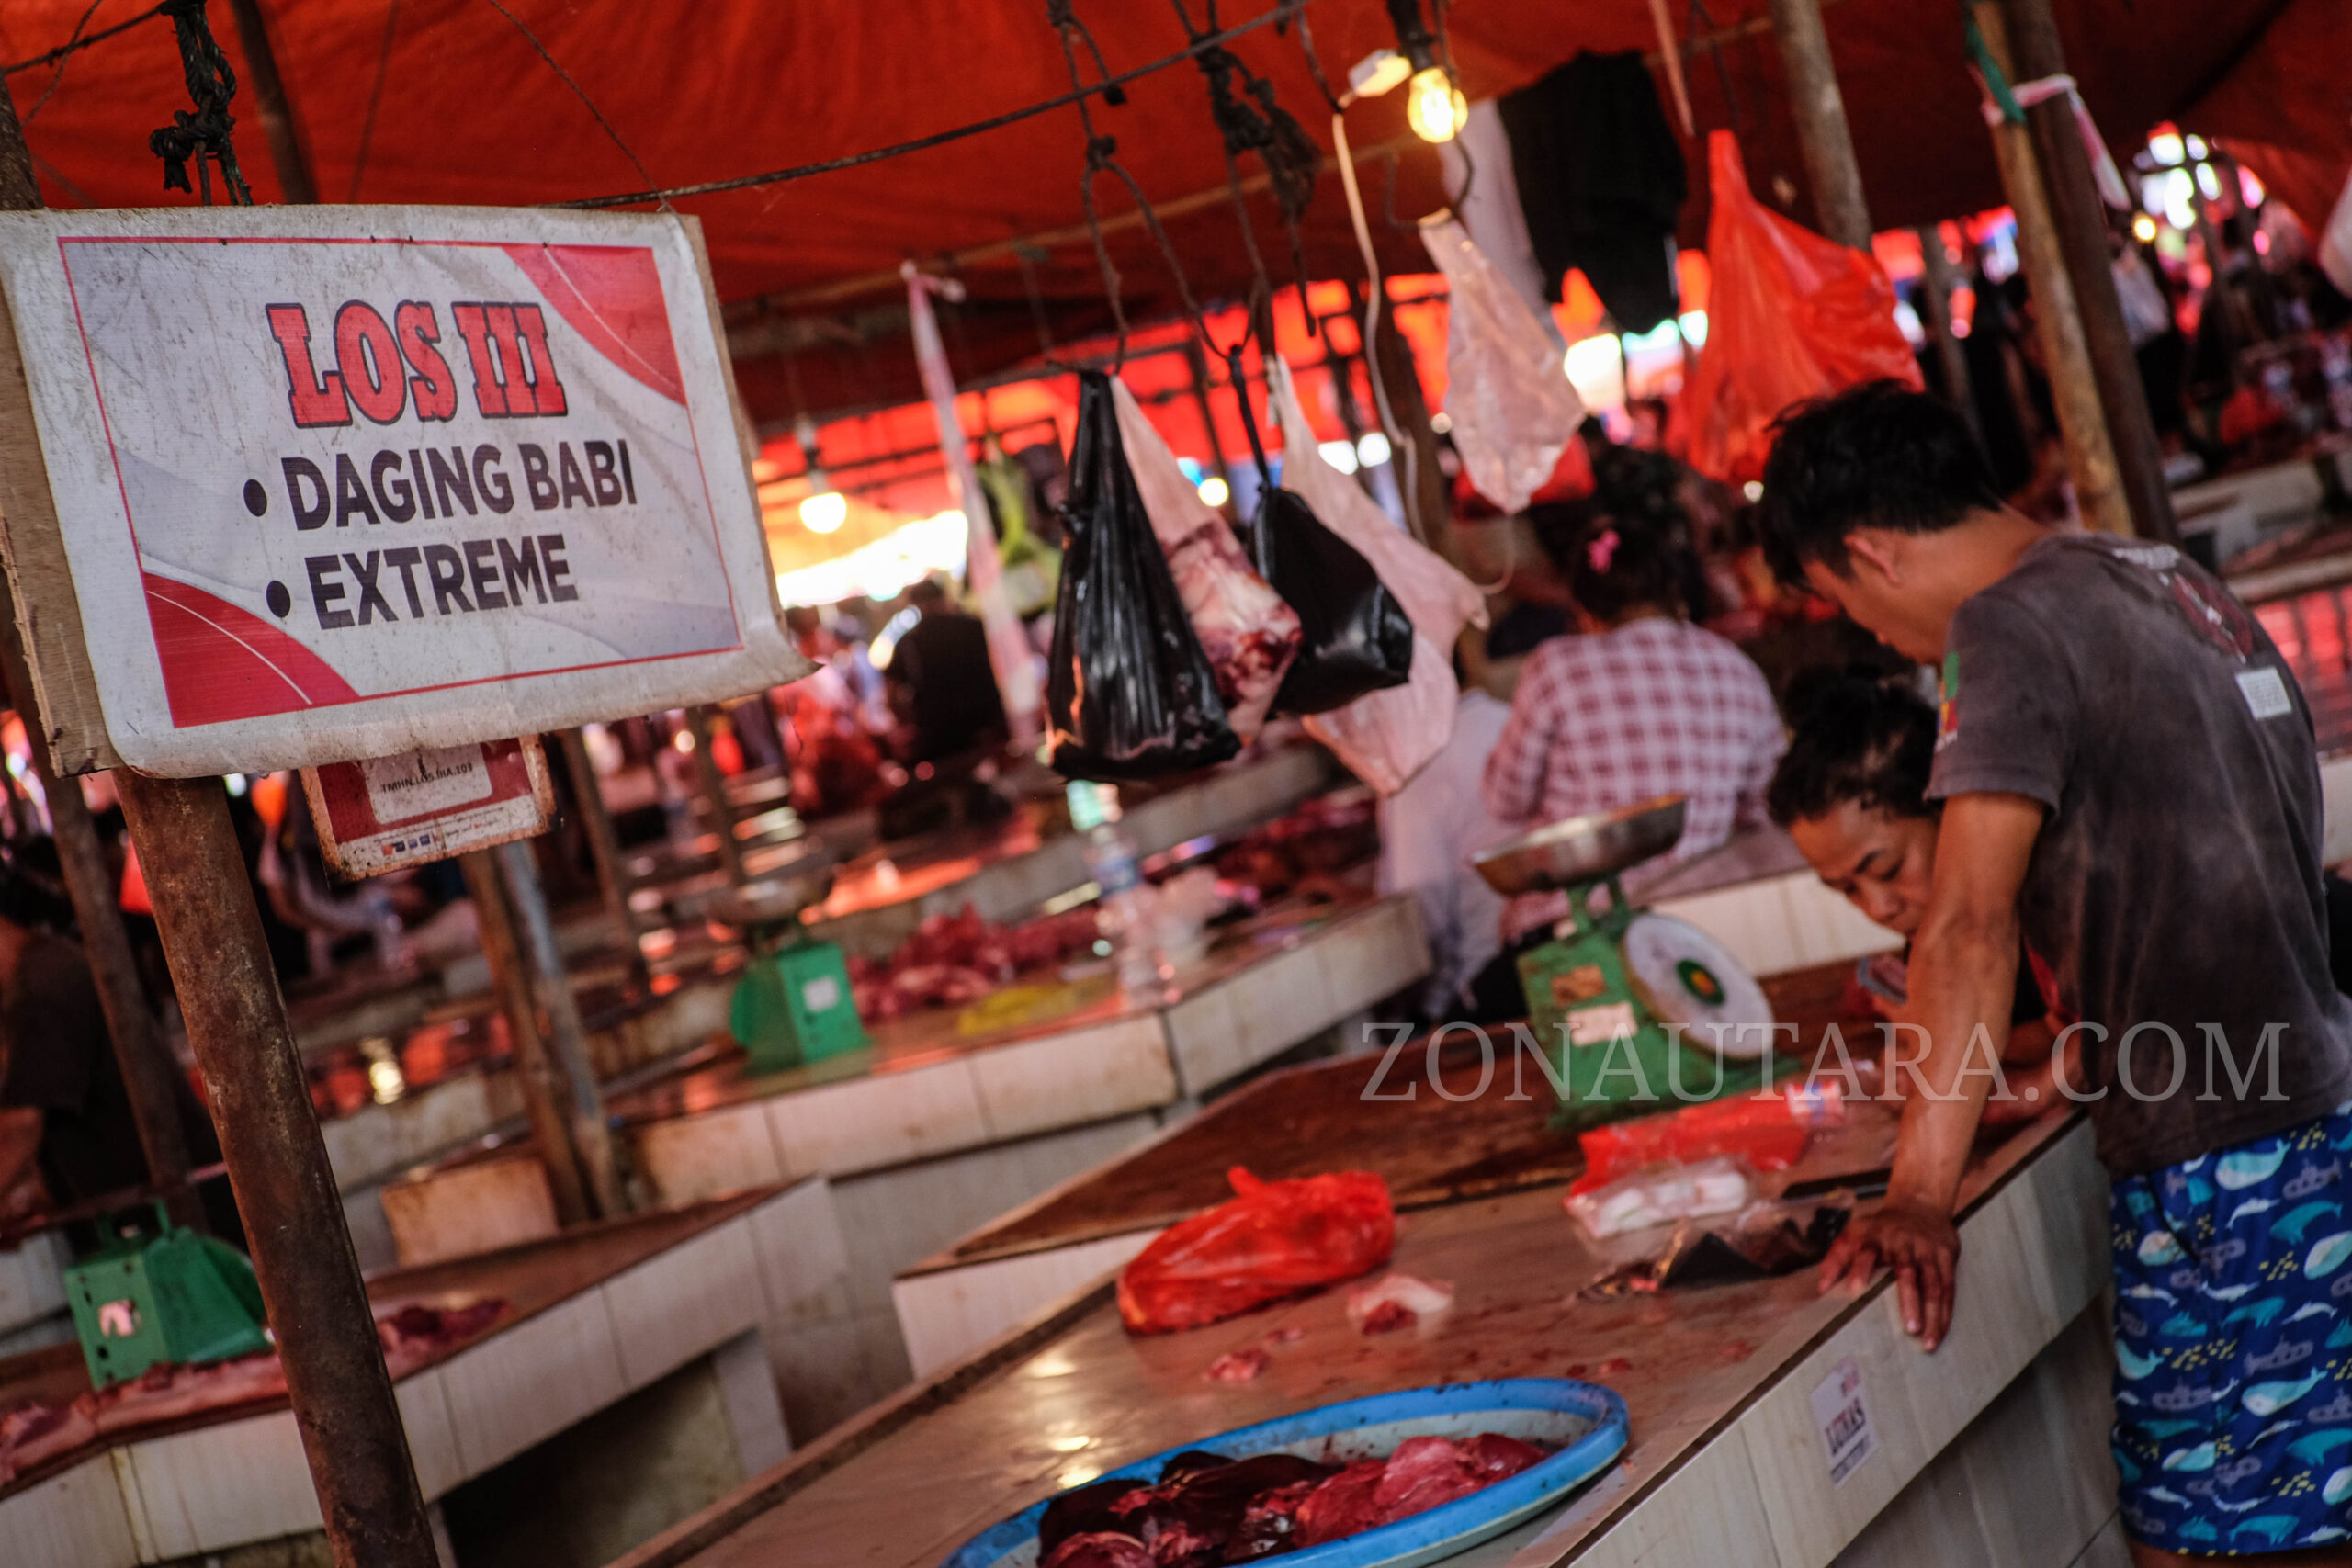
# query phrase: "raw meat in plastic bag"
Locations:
[[1249, 634], [1792, 316], [1272, 1239], [1129, 695], [1356, 636], [1383, 739], [1507, 392]]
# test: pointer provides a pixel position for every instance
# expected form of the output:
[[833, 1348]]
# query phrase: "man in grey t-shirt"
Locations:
[[2131, 785]]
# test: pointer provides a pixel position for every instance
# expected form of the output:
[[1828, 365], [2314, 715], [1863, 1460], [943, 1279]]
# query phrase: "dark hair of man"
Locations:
[[925, 594], [1616, 562], [1877, 455], [1859, 740]]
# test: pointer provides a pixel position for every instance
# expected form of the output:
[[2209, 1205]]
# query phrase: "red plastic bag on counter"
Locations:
[[1790, 316], [1768, 1130], [1273, 1239]]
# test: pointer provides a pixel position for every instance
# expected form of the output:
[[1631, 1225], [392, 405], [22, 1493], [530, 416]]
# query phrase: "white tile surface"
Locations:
[[432, 1440], [1709, 1516], [674, 1306], [74, 1520], [32, 1282], [222, 1486], [689, 1159], [536, 1378], [1064, 1079], [945, 1315], [864, 1123], [803, 1259], [747, 1390]]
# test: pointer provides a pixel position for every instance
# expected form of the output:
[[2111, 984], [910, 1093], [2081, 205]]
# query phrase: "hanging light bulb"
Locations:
[[824, 511], [1434, 107]]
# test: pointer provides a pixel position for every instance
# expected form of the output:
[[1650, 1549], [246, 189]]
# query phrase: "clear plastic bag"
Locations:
[[1272, 1239], [1507, 389], [1249, 635], [1792, 316], [1660, 1193], [1383, 739], [1129, 695]]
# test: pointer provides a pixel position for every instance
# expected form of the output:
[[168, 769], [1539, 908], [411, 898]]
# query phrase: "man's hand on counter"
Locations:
[[1963, 980], [1916, 1241]]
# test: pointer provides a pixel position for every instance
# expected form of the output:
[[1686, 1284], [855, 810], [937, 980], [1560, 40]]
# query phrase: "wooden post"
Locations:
[[603, 845], [235, 1017], [1936, 284], [278, 1166], [567, 1038], [2078, 216], [140, 1053], [1820, 112], [2065, 352], [268, 91], [546, 1097], [714, 793]]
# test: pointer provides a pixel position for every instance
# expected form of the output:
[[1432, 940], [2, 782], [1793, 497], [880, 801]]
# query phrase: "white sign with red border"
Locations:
[[340, 482], [388, 812]]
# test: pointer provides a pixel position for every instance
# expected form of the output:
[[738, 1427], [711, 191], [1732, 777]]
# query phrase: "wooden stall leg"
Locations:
[[546, 1097], [604, 845], [714, 793], [1936, 284], [567, 1038], [278, 1166]]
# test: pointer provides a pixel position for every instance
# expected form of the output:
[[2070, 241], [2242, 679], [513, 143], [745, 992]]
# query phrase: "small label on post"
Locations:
[[382, 813]]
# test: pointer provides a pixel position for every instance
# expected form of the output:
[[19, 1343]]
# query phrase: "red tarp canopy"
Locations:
[[444, 101]]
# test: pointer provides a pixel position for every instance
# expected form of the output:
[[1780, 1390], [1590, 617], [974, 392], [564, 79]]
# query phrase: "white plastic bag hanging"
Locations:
[[1249, 634], [2335, 243], [1383, 739], [1506, 391]]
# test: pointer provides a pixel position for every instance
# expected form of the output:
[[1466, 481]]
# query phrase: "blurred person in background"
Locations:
[[1640, 704]]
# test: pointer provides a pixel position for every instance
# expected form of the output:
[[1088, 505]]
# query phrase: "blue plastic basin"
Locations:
[[1586, 1421]]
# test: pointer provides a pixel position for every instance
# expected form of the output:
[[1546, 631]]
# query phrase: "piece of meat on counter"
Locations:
[[953, 960], [1100, 1549], [1206, 1510]]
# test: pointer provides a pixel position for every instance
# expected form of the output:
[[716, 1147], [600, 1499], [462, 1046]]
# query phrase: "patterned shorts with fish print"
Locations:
[[2234, 1345]]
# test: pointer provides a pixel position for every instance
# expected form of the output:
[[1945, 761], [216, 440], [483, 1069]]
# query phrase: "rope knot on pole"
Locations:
[[205, 133]]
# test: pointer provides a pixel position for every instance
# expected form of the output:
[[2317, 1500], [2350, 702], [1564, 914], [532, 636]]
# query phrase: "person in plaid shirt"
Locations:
[[1644, 704]]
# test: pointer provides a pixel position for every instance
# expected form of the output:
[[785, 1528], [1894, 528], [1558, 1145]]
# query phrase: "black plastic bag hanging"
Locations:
[[1129, 695], [1357, 638]]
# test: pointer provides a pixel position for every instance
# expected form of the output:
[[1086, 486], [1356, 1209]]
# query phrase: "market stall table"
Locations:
[[606, 1312], [1435, 1141], [1726, 1463]]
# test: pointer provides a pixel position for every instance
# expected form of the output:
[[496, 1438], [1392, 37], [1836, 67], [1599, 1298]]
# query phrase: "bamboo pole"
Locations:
[[1820, 112], [2065, 352], [2078, 217]]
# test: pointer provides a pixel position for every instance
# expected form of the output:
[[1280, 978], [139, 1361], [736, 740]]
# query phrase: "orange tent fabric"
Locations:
[[460, 108]]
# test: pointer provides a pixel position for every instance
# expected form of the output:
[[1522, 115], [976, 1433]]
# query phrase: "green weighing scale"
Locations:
[[1602, 991], [164, 1295], [793, 1004]]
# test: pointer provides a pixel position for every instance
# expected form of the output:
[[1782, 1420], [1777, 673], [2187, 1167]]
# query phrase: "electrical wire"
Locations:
[[375, 99], [578, 92], [77, 46], [1106, 89], [50, 91]]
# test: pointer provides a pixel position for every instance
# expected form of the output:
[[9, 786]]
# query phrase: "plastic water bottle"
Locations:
[[1125, 902]]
